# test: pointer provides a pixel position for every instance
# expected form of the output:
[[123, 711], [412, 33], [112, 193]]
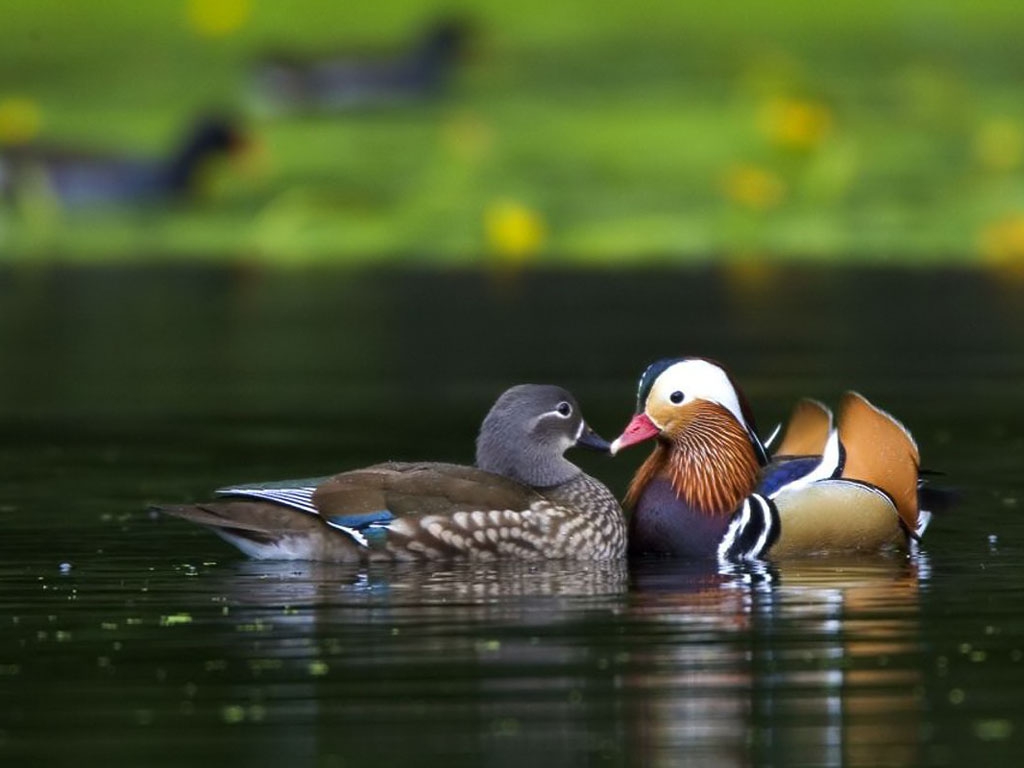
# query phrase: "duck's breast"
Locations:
[[663, 524]]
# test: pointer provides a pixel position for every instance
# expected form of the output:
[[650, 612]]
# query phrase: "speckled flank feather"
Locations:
[[807, 430], [581, 520]]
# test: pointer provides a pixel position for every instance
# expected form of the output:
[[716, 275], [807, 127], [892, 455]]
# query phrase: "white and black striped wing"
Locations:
[[297, 494]]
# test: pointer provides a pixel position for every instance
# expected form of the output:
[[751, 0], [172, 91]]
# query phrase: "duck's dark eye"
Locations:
[[676, 397], [564, 409]]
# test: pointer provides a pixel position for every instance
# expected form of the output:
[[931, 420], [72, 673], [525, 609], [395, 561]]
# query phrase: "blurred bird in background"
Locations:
[[76, 178], [286, 83]]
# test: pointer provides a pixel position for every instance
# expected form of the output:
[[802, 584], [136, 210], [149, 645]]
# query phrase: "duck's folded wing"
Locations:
[[403, 490], [291, 493], [791, 473], [782, 472], [433, 510]]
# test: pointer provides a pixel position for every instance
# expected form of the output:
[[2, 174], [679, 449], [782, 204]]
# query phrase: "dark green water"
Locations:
[[132, 640]]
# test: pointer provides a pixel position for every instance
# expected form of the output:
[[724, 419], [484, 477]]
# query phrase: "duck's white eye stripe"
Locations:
[[698, 379]]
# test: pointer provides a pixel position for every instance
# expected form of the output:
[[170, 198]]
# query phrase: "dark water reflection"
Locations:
[[132, 640]]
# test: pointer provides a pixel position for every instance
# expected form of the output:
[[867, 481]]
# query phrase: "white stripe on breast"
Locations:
[[736, 527]]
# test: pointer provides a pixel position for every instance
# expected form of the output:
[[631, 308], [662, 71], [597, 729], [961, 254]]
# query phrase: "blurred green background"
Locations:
[[576, 131]]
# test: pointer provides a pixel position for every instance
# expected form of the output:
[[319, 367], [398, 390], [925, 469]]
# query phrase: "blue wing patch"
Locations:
[[361, 521], [780, 473], [367, 528]]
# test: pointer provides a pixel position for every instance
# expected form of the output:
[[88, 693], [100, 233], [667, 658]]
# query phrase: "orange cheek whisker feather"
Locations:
[[708, 459]]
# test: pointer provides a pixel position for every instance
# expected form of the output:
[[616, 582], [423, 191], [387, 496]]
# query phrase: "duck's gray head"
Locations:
[[526, 432]]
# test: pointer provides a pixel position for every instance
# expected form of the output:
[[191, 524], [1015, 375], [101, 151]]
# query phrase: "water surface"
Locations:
[[135, 640]]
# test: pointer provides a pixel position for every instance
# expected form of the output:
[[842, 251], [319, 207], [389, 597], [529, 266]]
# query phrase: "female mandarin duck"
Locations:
[[709, 488], [522, 500]]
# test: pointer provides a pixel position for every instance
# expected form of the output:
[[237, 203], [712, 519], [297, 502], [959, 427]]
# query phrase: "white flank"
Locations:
[[284, 548]]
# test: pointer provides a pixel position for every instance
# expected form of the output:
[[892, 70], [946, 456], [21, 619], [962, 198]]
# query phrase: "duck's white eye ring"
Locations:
[[676, 397], [564, 410]]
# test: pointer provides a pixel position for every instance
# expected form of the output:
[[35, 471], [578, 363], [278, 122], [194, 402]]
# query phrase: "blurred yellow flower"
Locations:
[[999, 145], [20, 120], [795, 123], [514, 232], [753, 187], [1002, 241], [217, 18]]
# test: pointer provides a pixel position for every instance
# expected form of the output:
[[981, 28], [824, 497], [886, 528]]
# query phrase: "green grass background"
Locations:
[[615, 123]]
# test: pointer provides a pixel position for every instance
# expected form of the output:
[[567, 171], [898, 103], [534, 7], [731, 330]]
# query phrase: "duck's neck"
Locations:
[[711, 464], [186, 163], [536, 468]]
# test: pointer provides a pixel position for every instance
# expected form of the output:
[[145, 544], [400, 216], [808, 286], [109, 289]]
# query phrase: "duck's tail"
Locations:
[[267, 531], [882, 452]]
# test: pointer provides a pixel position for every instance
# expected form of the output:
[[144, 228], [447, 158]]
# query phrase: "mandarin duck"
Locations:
[[522, 500], [286, 84], [79, 179], [710, 489]]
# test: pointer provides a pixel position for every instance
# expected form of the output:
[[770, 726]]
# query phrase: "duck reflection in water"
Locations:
[[756, 665], [727, 665]]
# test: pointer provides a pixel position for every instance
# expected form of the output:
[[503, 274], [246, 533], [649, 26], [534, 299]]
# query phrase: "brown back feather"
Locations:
[[419, 488], [880, 451]]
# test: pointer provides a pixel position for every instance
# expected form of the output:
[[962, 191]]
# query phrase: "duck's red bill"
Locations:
[[639, 429]]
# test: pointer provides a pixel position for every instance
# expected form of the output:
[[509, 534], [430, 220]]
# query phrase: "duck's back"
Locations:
[[420, 488]]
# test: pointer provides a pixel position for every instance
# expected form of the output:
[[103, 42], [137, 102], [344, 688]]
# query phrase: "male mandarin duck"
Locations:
[[522, 500], [80, 179], [710, 489], [341, 82]]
